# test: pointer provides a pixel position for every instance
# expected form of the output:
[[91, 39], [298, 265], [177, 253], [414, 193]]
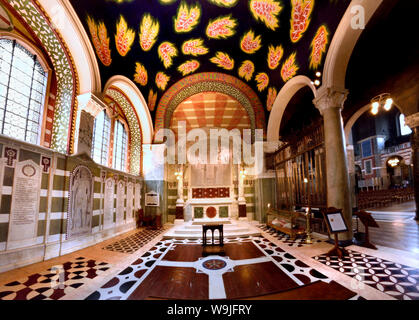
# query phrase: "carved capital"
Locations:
[[413, 120], [328, 97], [91, 104], [272, 146]]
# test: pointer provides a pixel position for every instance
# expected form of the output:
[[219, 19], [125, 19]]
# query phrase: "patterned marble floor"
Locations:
[[135, 241], [94, 273], [54, 283], [124, 285], [298, 242], [394, 279]]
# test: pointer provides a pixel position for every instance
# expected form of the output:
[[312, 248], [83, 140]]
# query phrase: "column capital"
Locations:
[[91, 104], [330, 97], [272, 146], [413, 120]]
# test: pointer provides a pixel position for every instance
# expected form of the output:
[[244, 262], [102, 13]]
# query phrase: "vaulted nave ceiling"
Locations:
[[156, 43]]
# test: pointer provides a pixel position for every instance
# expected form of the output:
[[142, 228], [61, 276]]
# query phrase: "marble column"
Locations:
[[180, 201], [330, 102], [413, 122], [242, 199]]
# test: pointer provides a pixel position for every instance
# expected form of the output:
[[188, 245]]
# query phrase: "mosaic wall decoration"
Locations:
[[194, 47], [319, 46], [124, 37], [187, 17], [289, 68], [67, 87], [198, 112], [246, 70], [223, 60], [215, 82], [221, 28], [188, 67], [272, 93], [300, 18], [278, 39], [134, 125], [149, 30]]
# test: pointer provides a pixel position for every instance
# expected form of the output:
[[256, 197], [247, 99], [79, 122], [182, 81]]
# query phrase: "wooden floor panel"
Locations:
[[173, 283], [235, 251], [255, 280], [314, 291]]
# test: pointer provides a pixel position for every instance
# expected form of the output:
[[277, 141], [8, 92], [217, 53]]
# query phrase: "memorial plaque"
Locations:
[[137, 196], [120, 193], [130, 196], [108, 208], [80, 207], [152, 199], [25, 205]]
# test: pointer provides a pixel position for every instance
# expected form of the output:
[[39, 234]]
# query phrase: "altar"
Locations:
[[210, 187], [209, 208]]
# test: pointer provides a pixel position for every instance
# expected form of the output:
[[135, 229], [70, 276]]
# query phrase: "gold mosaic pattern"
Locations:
[[135, 130], [67, 85]]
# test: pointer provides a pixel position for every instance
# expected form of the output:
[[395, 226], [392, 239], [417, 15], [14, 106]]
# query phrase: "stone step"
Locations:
[[188, 231], [199, 227], [171, 235]]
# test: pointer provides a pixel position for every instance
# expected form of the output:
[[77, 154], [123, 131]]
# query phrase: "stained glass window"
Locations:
[[101, 134], [23, 83], [119, 147]]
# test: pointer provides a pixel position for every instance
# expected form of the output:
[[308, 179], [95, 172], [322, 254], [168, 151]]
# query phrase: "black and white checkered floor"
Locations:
[[134, 242], [298, 242]]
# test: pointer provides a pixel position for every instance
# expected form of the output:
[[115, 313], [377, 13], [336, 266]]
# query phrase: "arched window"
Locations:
[[119, 146], [101, 133], [23, 83], [404, 129]]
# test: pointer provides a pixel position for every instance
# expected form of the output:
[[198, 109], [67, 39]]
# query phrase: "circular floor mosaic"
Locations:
[[214, 264]]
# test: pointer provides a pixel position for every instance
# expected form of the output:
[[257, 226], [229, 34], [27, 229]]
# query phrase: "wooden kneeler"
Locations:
[[336, 224]]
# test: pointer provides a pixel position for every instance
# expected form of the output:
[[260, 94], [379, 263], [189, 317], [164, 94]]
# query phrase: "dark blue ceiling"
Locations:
[[324, 12]]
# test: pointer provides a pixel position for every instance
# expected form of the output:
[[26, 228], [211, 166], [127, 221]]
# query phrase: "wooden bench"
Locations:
[[288, 219]]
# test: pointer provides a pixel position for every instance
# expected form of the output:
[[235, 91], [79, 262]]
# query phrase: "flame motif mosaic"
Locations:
[[264, 42]]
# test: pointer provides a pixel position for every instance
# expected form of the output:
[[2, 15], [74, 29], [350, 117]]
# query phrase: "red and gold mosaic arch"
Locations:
[[210, 110], [210, 82]]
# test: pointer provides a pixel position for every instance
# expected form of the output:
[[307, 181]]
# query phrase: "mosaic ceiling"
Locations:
[[156, 43]]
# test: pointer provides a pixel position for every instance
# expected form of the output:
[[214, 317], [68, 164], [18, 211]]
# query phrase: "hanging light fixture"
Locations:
[[383, 100]]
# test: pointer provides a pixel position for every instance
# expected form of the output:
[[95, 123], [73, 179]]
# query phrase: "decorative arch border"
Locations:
[[33, 15], [209, 81], [135, 131], [137, 102], [343, 44], [281, 102]]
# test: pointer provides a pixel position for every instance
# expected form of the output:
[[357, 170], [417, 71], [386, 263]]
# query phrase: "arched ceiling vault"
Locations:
[[157, 43]]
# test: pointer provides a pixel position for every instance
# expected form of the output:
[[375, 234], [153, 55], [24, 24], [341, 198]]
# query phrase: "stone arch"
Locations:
[[281, 103], [213, 82], [32, 14], [135, 132], [343, 44], [66, 21], [138, 103], [352, 120]]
